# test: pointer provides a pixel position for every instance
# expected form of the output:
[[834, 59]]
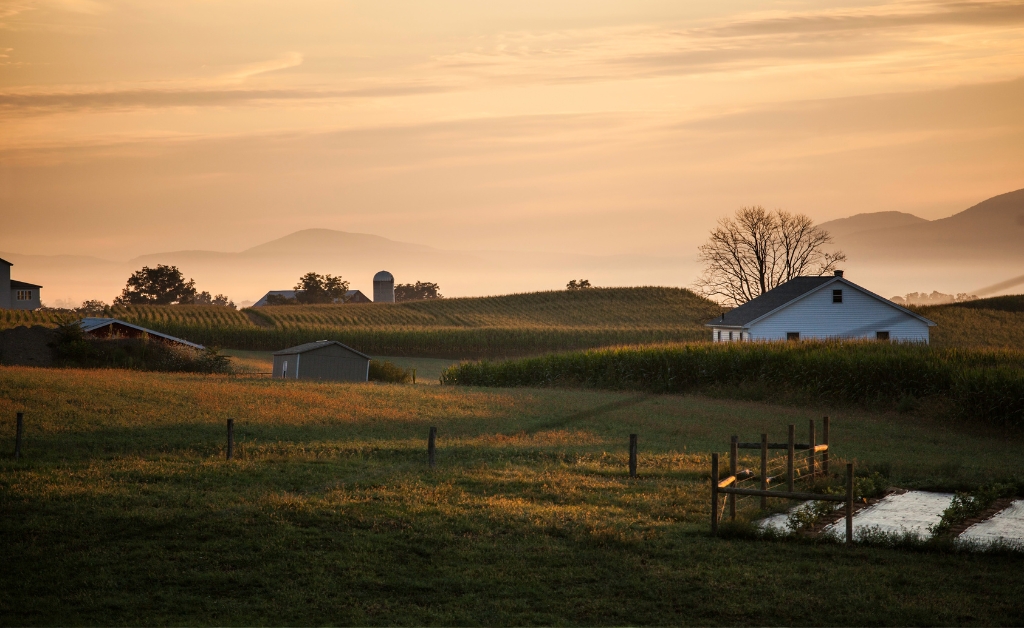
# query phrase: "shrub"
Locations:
[[388, 372]]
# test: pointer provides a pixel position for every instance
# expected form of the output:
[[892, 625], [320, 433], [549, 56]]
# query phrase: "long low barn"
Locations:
[[117, 328], [323, 359]]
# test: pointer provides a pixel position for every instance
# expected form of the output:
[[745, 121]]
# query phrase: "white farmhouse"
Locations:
[[820, 308]]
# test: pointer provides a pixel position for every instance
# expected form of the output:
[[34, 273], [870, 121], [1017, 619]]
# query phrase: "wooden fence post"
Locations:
[[789, 458], [414, 376], [824, 454], [632, 455], [714, 494], [231, 438], [849, 502], [19, 430], [810, 452], [431, 446], [764, 469], [733, 453]]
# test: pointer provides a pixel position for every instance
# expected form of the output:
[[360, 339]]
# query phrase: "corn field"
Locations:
[[976, 385], [505, 326]]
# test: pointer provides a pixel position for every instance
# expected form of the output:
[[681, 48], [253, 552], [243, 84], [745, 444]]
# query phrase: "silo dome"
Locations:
[[383, 287]]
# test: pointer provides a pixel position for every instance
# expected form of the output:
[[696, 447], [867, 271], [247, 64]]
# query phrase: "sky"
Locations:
[[586, 127]]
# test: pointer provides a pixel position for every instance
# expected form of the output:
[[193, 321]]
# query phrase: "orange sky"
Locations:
[[585, 126]]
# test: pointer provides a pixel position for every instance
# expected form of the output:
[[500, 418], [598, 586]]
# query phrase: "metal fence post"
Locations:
[[19, 431], [849, 503], [824, 454], [431, 446], [714, 494], [789, 461], [764, 469], [810, 452], [231, 439], [632, 455], [733, 454]]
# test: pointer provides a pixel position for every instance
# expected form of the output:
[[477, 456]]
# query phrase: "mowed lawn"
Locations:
[[124, 511]]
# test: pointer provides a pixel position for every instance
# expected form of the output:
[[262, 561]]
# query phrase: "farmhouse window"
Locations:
[[718, 335], [24, 295], [881, 335], [792, 335], [837, 296], [730, 335]]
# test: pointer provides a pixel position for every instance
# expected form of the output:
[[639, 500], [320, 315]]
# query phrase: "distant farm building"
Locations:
[[820, 308], [17, 295], [383, 287], [116, 328], [351, 296], [324, 360]]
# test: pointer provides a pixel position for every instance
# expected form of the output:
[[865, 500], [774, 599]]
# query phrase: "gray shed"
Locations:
[[323, 359]]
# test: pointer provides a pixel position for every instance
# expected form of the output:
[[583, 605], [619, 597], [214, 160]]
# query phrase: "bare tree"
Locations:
[[757, 250]]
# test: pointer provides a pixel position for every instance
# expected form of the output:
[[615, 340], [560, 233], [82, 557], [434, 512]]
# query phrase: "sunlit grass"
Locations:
[[124, 509]]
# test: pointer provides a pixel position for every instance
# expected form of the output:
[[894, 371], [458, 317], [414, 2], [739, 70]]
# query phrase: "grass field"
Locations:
[[124, 511]]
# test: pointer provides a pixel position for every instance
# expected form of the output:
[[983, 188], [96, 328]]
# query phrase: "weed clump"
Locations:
[[389, 372]]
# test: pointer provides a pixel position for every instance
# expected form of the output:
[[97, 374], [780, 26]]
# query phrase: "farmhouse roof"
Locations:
[[319, 344], [782, 296], [290, 294], [6, 262], [15, 285], [92, 324]]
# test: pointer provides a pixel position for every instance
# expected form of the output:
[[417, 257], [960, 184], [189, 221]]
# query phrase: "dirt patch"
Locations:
[[26, 346]]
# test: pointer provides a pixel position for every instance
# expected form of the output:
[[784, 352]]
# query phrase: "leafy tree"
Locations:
[[582, 284], [92, 306], [417, 291], [314, 288], [204, 298], [280, 299], [163, 285], [757, 250]]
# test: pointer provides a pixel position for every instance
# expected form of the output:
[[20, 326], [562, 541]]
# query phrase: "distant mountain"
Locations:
[[991, 231], [870, 222], [276, 265]]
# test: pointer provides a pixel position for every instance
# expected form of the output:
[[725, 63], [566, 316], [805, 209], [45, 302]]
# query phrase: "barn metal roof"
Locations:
[[22, 284], [290, 294], [319, 344], [789, 292], [92, 324]]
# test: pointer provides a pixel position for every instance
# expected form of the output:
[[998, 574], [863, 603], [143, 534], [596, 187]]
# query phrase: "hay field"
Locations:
[[124, 510]]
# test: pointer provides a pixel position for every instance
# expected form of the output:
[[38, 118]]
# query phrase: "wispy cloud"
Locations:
[[285, 61], [42, 102]]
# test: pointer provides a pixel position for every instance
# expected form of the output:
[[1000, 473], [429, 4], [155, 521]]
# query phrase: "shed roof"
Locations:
[[22, 284], [93, 323], [793, 290], [319, 344]]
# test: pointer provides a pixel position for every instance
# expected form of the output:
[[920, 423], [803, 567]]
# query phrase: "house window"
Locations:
[[837, 296], [24, 295], [792, 335], [718, 335], [730, 336], [881, 335]]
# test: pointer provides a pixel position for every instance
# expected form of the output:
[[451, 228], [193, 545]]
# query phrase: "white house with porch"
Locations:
[[820, 308]]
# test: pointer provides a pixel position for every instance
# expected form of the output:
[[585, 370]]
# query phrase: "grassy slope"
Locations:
[[125, 512], [512, 325], [985, 323]]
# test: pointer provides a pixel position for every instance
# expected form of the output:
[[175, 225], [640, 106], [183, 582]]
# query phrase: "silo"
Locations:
[[383, 287]]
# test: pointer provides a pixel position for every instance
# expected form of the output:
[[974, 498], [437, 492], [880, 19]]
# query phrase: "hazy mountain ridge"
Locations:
[[890, 252]]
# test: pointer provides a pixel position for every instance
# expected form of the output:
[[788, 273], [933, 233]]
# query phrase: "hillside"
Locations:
[[511, 325], [994, 323]]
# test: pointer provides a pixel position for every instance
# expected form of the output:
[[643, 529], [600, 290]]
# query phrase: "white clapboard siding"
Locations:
[[860, 315]]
